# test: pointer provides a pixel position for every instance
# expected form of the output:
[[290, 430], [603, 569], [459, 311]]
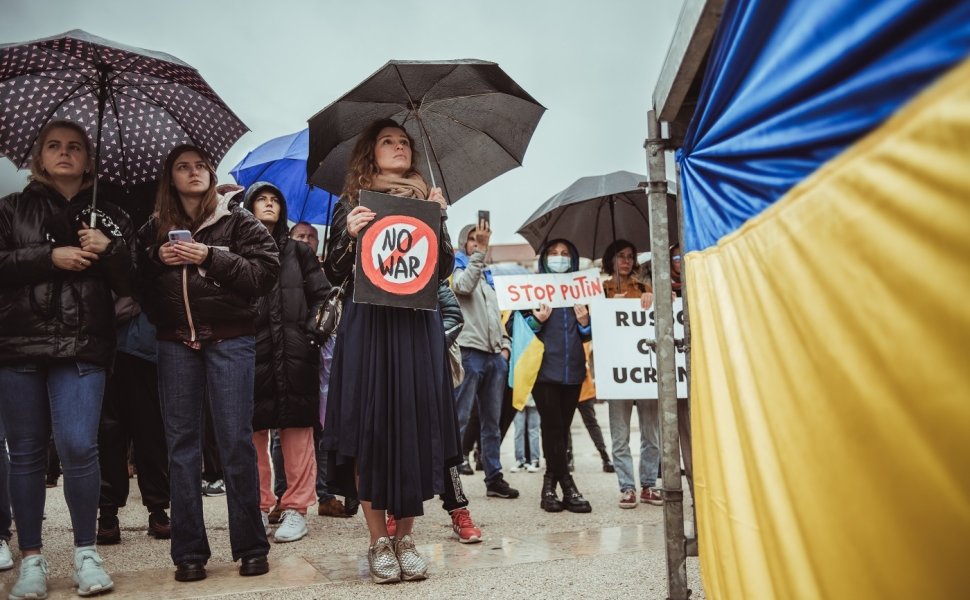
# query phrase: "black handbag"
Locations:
[[328, 315]]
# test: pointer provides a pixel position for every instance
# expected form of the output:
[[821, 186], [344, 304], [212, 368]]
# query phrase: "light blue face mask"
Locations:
[[558, 264]]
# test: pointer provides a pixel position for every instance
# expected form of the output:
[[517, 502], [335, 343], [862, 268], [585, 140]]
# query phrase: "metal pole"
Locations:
[[102, 98], [673, 494]]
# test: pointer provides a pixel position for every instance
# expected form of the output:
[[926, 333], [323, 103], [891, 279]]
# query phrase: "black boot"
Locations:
[[572, 499], [550, 501]]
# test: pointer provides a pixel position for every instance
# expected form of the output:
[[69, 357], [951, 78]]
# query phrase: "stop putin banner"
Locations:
[[397, 259]]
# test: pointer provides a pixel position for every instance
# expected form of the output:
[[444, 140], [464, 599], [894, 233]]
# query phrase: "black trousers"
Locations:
[[557, 405], [131, 415], [587, 410]]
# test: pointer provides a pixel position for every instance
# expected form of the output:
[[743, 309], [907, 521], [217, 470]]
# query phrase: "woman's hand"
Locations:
[[191, 252], [646, 300], [166, 254], [542, 313], [93, 240], [582, 314], [435, 195], [72, 258], [358, 218]]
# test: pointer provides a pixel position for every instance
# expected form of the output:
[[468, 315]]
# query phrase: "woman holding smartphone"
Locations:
[[202, 265]]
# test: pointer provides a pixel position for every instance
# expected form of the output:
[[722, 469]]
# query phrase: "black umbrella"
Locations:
[[137, 104], [470, 121], [594, 211]]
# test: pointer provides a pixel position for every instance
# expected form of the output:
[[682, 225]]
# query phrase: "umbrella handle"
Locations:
[[424, 145]]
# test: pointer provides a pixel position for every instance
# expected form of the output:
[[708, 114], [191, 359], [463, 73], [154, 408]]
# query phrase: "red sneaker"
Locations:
[[464, 528], [391, 525], [651, 496]]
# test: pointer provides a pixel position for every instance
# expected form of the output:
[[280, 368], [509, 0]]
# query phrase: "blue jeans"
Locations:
[[63, 397], [5, 520], [486, 376], [225, 370], [620, 414], [527, 421]]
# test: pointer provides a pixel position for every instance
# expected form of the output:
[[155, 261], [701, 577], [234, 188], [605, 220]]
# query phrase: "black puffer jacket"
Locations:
[[192, 303], [287, 365], [452, 318], [49, 313]]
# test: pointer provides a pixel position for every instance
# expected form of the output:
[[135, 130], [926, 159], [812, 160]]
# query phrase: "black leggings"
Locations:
[[557, 405]]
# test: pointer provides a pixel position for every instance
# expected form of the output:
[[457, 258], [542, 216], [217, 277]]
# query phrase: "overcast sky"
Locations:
[[593, 65]]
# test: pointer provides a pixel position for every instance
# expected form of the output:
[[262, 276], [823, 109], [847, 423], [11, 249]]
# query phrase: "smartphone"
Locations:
[[483, 215], [180, 235]]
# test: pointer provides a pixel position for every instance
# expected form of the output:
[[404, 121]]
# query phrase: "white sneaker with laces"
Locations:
[[518, 467], [532, 467], [32, 582], [6, 559], [89, 573], [292, 527], [266, 526]]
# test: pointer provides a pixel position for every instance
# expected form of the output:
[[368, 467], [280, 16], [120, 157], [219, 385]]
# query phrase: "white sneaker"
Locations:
[[6, 559], [532, 467], [292, 527], [89, 573], [520, 466], [33, 579], [266, 526]]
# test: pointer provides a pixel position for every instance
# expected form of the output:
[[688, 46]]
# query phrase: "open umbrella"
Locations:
[[594, 211], [282, 162], [470, 121], [136, 104]]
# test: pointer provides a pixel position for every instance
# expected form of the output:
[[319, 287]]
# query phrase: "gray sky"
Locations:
[[593, 65]]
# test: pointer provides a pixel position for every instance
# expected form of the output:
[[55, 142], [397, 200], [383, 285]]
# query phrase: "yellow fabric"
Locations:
[[831, 374], [588, 389], [526, 373]]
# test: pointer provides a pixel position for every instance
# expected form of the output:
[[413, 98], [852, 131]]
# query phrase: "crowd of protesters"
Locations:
[[186, 338]]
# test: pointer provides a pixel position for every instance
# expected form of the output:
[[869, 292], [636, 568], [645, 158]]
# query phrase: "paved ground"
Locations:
[[527, 553]]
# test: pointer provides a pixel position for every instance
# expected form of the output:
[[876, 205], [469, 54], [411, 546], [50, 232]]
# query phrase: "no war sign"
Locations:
[[397, 261], [625, 367], [558, 290]]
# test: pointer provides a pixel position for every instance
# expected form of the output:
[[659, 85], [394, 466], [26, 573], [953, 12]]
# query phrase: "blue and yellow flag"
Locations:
[[826, 183], [525, 360]]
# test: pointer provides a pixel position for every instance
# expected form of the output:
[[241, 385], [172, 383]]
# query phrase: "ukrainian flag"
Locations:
[[826, 184], [524, 361]]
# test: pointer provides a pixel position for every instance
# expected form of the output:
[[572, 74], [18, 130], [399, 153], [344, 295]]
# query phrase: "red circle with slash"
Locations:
[[399, 254]]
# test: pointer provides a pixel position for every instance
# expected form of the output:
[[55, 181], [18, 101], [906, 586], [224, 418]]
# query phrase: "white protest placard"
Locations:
[[625, 367], [558, 290]]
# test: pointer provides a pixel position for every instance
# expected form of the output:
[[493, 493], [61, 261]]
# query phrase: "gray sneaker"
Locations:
[[413, 566], [6, 559], [89, 573], [32, 582], [384, 567]]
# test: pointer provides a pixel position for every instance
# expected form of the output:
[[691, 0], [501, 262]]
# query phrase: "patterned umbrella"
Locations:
[[137, 104]]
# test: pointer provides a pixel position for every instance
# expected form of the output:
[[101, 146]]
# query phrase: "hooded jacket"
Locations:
[[48, 313], [479, 304], [213, 302], [287, 390], [563, 359]]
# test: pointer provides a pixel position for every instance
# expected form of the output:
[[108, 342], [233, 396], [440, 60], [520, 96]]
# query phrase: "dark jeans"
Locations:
[[211, 464], [63, 398], [557, 404], [131, 414], [587, 410], [5, 518], [226, 370], [486, 376]]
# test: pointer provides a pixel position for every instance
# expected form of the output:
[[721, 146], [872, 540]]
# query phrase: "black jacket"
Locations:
[[49, 313], [452, 319], [287, 365], [216, 302]]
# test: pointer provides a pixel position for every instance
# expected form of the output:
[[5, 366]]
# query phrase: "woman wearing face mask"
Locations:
[[57, 339], [561, 374]]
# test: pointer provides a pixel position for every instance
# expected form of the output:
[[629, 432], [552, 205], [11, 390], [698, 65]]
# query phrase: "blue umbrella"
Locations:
[[282, 162]]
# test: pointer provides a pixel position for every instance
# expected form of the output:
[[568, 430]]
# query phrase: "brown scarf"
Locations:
[[411, 187]]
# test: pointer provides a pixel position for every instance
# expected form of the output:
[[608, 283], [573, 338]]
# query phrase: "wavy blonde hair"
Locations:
[[363, 167]]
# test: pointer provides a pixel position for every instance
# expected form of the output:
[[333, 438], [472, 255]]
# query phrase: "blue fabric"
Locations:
[[484, 386], [789, 85], [62, 397], [461, 262], [137, 337], [282, 162]]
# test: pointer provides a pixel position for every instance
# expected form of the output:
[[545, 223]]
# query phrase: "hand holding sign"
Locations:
[[542, 313], [358, 218], [435, 195]]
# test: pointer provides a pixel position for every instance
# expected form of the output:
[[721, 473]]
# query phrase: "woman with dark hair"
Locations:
[[390, 414], [620, 263], [57, 339], [562, 332], [201, 296]]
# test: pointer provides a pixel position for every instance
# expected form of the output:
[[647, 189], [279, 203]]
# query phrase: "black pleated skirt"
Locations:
[[390, 411]]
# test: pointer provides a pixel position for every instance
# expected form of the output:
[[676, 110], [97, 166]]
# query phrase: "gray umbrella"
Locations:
[[469, 120], [594, 211]]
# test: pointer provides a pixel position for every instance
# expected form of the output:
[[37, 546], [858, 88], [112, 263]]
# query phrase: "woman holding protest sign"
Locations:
[[561, 374], [620, 263], [390, 427]]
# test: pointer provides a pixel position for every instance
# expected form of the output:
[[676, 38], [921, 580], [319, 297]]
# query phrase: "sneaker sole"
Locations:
[[94, 589], [415, 577], [622, 505], [471, 540], [284, 540], [492, 494], [391, 579]]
